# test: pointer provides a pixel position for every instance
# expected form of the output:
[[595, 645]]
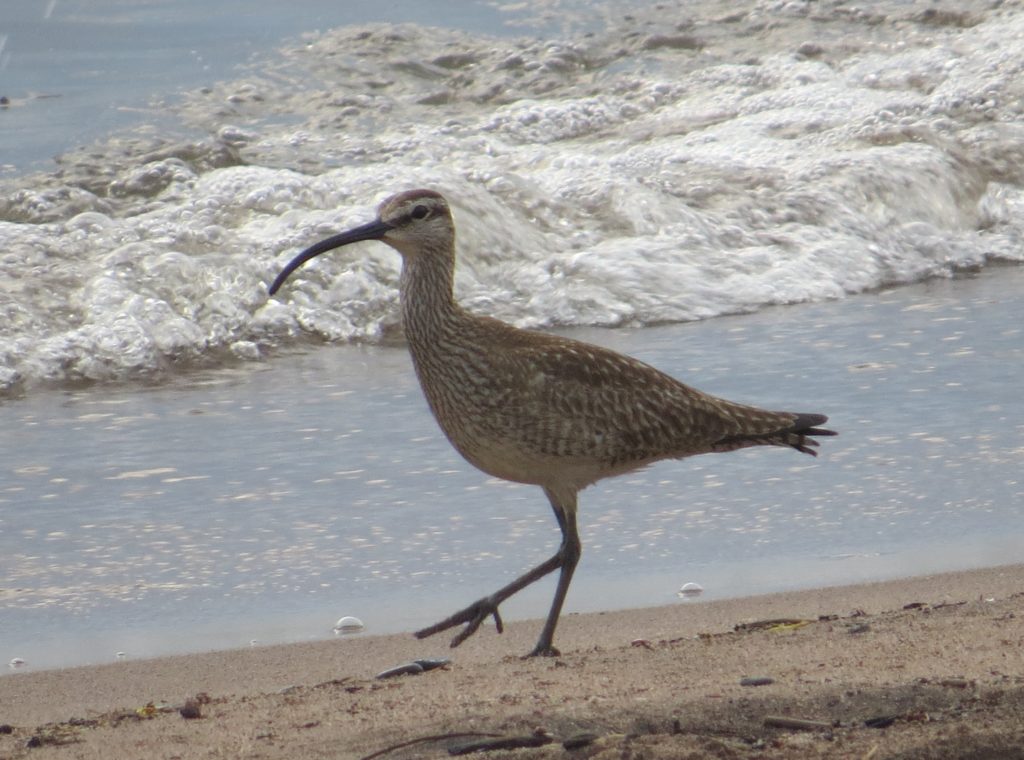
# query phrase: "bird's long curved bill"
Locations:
[[373, 231]]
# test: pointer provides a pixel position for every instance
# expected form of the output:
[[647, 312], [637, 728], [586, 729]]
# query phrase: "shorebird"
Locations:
[[536, 408]]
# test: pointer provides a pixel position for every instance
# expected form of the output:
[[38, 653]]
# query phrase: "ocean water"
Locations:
[[803, 205]]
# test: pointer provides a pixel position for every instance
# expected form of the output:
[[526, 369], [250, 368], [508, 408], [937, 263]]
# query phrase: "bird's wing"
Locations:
[[585, 400]]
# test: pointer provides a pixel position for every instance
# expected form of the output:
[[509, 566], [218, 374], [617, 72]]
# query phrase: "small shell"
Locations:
[[690, 590], [348, 624]]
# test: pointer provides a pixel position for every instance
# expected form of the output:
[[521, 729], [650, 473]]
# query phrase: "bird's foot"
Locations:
[[473, 616], [543, 650]]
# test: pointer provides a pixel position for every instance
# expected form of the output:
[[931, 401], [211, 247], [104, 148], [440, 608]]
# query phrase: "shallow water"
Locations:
[[188, 464], [265, 503], [75, 71]]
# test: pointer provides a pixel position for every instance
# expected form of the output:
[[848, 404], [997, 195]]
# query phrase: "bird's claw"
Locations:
[[542, 650], [475, 622], [473, 616]]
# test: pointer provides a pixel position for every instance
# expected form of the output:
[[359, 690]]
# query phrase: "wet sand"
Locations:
[[921, 667]]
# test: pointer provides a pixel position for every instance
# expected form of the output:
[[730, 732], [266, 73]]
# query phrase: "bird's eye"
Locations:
[[420, 212]]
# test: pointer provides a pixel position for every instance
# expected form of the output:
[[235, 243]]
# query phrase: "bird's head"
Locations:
[[416, 222]]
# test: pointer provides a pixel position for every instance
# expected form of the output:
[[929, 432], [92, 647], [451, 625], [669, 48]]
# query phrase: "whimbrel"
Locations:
[[536, 408]]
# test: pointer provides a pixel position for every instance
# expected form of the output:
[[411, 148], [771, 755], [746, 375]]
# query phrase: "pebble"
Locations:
[[190, 710]]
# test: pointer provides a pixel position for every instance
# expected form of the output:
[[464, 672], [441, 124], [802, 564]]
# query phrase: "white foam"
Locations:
[[594, 182]]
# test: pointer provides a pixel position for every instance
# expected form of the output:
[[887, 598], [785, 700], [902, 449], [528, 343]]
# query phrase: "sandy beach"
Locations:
[[927, 667]]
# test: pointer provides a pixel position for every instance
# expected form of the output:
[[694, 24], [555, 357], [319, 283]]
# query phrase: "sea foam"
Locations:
[[621, 177]]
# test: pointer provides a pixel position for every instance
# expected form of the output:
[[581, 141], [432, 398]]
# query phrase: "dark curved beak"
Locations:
[[373, 231]]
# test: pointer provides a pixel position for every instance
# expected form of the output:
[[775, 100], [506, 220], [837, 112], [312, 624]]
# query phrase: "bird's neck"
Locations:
[[428, 303]]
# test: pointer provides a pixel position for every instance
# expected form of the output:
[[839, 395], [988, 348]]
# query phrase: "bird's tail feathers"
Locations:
[[800, 435]]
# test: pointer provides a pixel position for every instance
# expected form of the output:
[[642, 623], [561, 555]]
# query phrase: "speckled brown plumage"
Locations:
[[538, 408]]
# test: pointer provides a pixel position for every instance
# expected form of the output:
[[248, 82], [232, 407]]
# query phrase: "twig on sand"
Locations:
[[781, 721], [536, 739], [423, 739]]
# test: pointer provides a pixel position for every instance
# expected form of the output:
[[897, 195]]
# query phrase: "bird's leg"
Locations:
[[569, 552], [566, 557], [481, 609]]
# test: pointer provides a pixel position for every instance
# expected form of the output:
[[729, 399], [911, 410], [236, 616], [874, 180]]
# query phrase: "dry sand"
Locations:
[[929, 667]]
